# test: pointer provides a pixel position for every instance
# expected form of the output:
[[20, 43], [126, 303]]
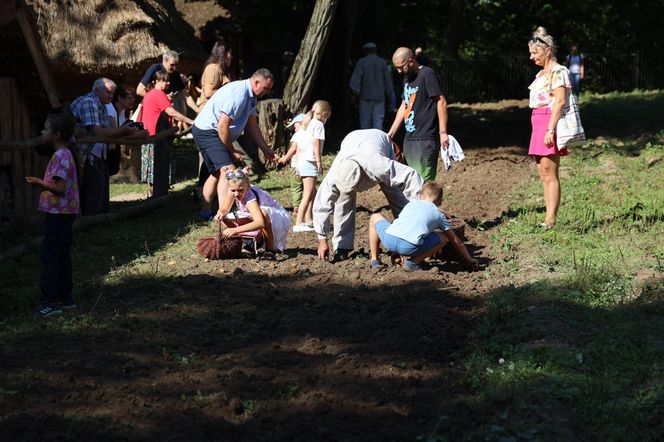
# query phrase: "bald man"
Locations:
[[423, 111]]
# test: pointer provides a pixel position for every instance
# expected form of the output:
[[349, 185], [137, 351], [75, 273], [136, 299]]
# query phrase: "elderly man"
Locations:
[[169, 64], [228, 112], [423, 112], [90, 113], [372, 83], [366, 159]]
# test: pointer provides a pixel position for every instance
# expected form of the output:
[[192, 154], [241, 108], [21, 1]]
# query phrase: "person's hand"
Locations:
[[444, 141], [229, 232], [548, 139], [319, 166], [269, 154], [238, 156], [283, 160], [323, 250], [219, 216], [33, 180]]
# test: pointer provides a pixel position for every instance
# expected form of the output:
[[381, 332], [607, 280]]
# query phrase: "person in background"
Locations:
[[123, 101], [371, 85], [412, 234], [155, 102], [169, 63], [225, 116], [548, 94], [90, 113], [423, 111], [576, 69], [422, 58], [295, 181], [60, 201]]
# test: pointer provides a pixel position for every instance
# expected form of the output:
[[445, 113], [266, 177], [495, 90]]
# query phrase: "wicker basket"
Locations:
[[220, 246]]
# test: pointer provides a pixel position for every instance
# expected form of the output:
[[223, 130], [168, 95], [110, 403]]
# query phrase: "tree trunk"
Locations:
[[270, 120], [455, 28], [305, 68]]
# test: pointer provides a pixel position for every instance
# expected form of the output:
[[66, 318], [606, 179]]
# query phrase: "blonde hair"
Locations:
[[542, 39], [321, 106], [432, 189]]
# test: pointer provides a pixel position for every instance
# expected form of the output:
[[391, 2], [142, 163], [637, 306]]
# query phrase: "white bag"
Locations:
[[569, 131]]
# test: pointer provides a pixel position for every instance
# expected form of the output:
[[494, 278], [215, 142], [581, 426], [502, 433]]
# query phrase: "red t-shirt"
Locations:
[[154, 103]]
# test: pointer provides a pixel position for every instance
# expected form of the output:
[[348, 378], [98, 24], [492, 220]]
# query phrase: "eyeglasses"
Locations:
[[400, 68], [235, 174], [538, 40]]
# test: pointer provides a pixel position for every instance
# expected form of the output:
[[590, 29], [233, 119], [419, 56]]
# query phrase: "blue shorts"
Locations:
[[215, 154], [403, 247], [307, 168]]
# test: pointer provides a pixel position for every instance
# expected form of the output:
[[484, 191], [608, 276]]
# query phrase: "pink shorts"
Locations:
[[540, 121]]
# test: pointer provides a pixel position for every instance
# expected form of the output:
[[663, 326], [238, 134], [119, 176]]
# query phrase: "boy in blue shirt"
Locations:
[[412, 234]]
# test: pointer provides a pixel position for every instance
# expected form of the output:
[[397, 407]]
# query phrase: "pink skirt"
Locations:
[[540, 121]]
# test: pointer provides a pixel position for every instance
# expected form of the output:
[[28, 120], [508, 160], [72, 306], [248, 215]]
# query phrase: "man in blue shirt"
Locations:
[[230, 111]]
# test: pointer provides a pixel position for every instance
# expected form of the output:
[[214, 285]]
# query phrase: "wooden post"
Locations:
[[162, 159], [37, 56]]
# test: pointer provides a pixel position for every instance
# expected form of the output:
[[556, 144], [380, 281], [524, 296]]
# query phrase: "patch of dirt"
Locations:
[[292, 349]]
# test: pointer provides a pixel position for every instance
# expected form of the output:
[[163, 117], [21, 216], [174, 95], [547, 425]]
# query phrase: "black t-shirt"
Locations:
[[174, 78], [421, 116]]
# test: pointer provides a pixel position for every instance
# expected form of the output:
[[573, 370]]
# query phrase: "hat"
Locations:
[[348, 174], [370, 45], [296, 119]]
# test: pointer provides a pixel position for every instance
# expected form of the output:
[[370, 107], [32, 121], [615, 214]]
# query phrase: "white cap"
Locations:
[[296, 119], [348, 174], [370, 45]]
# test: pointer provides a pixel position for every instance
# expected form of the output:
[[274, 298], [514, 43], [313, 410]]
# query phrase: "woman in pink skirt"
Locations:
[[548, 94]]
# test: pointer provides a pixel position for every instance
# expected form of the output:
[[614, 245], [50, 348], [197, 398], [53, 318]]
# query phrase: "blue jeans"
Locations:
[[575, 79], [56, 275]]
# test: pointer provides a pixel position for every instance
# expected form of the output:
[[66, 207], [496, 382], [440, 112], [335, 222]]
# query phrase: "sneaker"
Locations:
[[68, 304], [302, 228], [410, 266], [48, 309], [376, 264]]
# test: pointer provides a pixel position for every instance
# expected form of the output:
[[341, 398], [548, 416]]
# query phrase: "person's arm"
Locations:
[[171, 112], [560, 94], [460, 247], [441, 109], [356, 79], [582, 71], [140, 90], [398, 119], [224, 131], [255, 133], [192, 104], [293, 148], [57, 187], [315, 145], [258, 222]]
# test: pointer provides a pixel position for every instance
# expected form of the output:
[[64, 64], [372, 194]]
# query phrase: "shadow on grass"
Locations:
[[236, 358]]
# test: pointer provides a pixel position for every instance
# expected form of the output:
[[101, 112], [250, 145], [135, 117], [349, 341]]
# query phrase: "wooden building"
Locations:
[[52, 51]]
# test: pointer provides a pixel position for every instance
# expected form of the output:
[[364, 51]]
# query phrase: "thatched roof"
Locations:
[[200, 14], [95, 35]]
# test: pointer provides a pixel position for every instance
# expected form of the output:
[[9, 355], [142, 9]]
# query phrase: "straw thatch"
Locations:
[[95, 35]]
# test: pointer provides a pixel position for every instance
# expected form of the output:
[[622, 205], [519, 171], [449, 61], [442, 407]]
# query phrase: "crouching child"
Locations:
[[412, 235]]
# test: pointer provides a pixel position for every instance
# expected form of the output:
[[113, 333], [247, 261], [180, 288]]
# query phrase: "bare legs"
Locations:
[[305, 210], [374, 240], [215, 184], [548, 172]]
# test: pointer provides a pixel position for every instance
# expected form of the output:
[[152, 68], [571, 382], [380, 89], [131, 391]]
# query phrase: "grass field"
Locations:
[[569, 347]]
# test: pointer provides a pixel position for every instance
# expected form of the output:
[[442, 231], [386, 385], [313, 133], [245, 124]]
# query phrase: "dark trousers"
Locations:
[[95, 187], [56, 275]]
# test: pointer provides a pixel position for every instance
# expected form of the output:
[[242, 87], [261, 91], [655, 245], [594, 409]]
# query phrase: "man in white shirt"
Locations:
[[366, 159]]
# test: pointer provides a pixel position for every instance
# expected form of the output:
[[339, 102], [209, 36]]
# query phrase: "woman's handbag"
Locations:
[[569, 131], [220, 246]]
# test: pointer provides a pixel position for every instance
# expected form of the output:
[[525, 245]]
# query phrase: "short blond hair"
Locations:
[[432, 189]]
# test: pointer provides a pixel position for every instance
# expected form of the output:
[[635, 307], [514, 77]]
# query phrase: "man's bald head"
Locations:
[[401, 55]]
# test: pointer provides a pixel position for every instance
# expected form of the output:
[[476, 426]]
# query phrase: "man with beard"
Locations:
[[423, 111]]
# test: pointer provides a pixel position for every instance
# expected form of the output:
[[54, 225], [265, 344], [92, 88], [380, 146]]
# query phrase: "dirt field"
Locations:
[[294, 349]]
